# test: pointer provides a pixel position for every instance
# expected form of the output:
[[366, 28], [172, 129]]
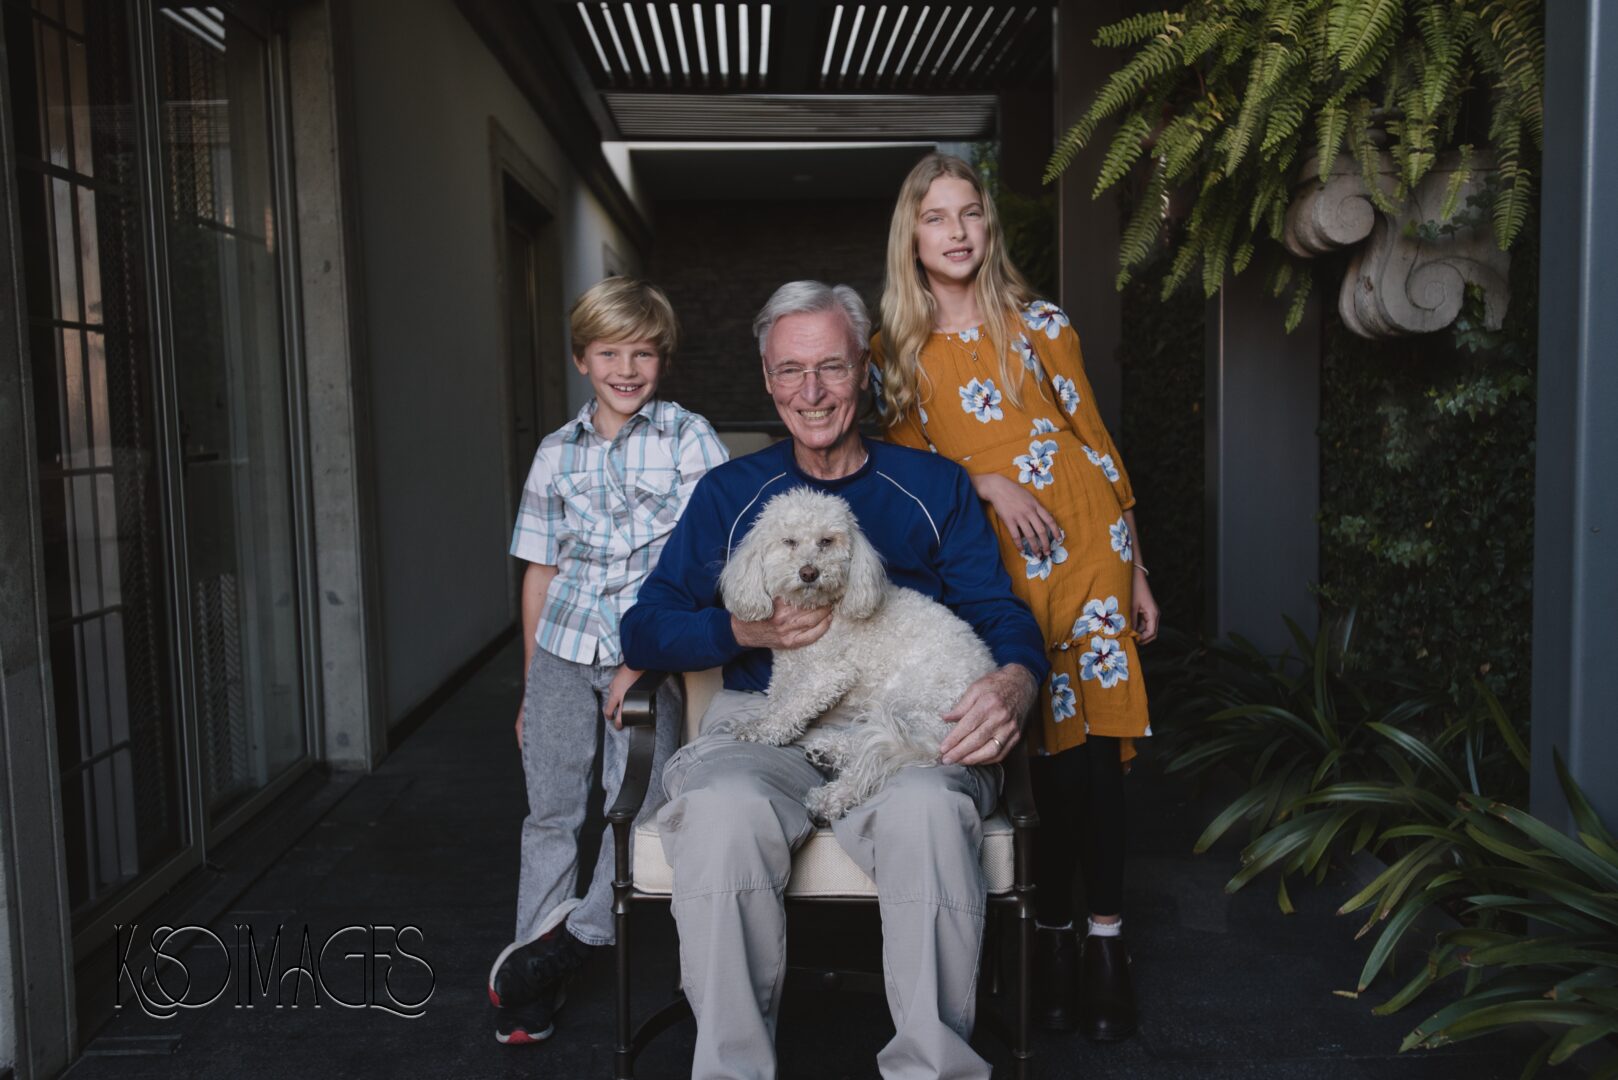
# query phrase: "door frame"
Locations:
[[508, 161]]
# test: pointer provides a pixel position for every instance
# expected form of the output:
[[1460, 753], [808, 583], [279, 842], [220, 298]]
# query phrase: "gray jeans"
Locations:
[[734, 816], [561, 718]]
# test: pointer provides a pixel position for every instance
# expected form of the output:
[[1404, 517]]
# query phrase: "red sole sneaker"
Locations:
[[524, 1038]]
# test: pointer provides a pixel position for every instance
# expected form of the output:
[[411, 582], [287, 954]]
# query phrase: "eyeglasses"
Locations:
[[832, 373]]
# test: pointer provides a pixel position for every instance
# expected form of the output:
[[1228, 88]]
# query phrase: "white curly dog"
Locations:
[[866, 699]]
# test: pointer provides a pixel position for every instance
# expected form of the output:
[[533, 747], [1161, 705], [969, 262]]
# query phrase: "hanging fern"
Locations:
[[1229, 98]]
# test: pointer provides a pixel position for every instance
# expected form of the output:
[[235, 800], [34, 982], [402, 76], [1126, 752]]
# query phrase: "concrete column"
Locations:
[[1089, 227], [1263, 465], [38, 1030], [354, 729], [1575, 687]]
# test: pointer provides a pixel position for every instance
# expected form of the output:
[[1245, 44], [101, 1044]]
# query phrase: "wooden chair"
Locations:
[[822, 873]]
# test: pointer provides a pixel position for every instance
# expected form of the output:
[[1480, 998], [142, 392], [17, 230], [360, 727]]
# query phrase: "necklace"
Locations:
[[959, 341]]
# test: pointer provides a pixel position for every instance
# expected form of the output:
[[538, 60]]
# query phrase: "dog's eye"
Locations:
[[791, 544], [825, 541]]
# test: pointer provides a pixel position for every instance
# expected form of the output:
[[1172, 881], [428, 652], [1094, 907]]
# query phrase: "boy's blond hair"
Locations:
[[624, 309]]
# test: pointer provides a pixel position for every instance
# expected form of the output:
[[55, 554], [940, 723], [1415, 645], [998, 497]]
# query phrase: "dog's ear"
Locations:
[[741, 583], [867, 581]]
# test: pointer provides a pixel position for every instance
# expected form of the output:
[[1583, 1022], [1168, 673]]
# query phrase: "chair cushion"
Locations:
[[821, 867]]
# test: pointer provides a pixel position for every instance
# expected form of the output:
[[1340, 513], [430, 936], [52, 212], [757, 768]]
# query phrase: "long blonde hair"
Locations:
[[909, 310]]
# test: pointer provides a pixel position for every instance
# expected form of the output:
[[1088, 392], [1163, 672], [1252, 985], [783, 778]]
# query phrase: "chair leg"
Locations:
[[623, 1059], [1025, 961], [994, 953]]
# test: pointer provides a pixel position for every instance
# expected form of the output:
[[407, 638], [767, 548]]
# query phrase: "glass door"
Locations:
[[230, 384]]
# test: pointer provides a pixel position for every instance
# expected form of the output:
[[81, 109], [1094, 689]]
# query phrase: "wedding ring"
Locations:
[[998, 745]]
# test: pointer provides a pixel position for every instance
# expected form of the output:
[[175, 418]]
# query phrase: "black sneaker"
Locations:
[[530, 1023], [526, 974]]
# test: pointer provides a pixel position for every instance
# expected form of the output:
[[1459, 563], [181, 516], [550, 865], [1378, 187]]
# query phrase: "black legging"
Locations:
[[1080, 797]]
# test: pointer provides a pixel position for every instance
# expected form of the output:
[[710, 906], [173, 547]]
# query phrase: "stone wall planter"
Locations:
[[1398, 282]]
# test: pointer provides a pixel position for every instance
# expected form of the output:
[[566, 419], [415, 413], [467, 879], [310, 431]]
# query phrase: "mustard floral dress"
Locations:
[[1056, 447]]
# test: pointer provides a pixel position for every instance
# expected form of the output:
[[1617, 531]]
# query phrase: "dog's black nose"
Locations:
[[808, 574]]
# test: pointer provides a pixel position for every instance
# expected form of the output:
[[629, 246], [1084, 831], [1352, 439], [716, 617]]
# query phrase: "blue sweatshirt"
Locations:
[[918, 510]]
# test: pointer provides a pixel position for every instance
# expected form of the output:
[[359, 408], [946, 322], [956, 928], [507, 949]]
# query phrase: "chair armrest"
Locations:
[[639, 716], [1019, 794], [640, 700]]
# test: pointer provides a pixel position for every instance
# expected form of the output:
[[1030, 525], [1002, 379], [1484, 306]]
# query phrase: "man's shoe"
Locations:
[[1056, 978], [1108, 1010], [530, 1023], [530, 974]]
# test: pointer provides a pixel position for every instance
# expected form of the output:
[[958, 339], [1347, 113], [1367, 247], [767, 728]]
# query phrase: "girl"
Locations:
[[972, 366]]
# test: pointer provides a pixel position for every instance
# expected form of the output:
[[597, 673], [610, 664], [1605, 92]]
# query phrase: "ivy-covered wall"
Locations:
[[1427, 482], [1427, 495], [1161, 438]]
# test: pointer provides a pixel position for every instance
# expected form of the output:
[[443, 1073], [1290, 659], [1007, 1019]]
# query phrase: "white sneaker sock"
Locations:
[[1113, 929]]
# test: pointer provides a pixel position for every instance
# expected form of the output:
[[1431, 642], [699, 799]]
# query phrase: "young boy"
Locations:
[[602, 496]]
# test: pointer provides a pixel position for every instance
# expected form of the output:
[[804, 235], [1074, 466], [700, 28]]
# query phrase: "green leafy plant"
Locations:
[[1334, 762], [1337, 761], [1229, 99], [1540, 940]]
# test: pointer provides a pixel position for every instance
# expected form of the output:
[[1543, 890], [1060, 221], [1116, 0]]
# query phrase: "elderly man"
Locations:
[[736, 808]]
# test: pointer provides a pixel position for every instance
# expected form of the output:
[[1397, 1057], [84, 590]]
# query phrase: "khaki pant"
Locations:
[[734, 816]]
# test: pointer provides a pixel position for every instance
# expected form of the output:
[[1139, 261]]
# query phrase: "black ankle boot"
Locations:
[[1056, 978], [1108, 1012]]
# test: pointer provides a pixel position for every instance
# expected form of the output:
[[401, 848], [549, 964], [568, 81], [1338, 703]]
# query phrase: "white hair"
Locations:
[[812, 297], [868, 697]]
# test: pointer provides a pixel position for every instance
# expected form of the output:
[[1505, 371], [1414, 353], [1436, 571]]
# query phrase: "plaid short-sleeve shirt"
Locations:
[[599, 510]]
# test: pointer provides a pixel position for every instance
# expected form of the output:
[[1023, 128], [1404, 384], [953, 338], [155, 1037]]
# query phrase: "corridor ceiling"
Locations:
[[802, 70]]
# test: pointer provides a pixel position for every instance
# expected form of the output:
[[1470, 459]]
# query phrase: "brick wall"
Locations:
[[719, 262]]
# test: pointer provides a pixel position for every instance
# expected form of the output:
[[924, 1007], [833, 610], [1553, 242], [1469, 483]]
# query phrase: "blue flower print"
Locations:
[[1039, 566], [1121, 542], [971, 334], [1066, 392], [1046, 316], [1034, 467], [876, 390], [1104, 462], [1106, 661], [1062, 700], [982, 400], [1099, 617], [1025, 352], [1043, 426]]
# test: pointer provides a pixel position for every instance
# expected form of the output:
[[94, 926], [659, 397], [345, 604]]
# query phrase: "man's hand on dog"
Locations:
[[787, 627], [988, 718]]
